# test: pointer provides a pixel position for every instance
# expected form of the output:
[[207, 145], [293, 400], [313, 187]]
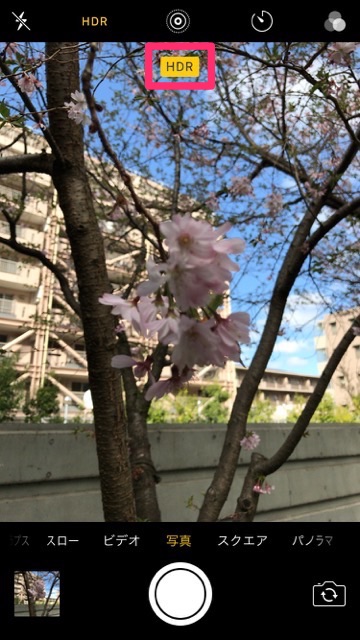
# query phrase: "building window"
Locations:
[[3, 340], [6, 303], [333, 328], [8, 266], [357, 351], [4, 229], [79, 347], [79, 387], [53, 344], [321, 355], [341, 381]]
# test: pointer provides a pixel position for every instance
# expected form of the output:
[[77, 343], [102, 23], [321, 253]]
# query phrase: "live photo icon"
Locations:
[[329, 594]]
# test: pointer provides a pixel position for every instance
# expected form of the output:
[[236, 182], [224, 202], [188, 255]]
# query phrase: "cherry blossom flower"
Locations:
[[37, 589], [198, 267], [141, 312], [240, 187], [39, 125], [197, 345], [193, 287], [189, 238], [128, 310], [147, 312], [274, 203], [250, 441], [233, 329], [196, 240], [28, 83], [77, 109], [11, 49], [171, 385], [190, 286], [80, 99], [167, 328], [152, 314], [157, 278], [141, 367], [264, 488], [339, 52], [201, 131], [212, 202]]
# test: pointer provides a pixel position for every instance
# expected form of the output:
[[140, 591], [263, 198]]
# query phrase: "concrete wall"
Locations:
[[50, 473]]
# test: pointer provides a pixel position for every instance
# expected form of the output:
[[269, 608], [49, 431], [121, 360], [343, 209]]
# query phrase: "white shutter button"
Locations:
[[180, 593]]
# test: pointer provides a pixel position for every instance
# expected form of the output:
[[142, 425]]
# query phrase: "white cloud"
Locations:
[[304, 310], [290, 346], [296, 361]]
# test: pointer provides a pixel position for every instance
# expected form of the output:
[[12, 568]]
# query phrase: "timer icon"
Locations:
[[262, 21]]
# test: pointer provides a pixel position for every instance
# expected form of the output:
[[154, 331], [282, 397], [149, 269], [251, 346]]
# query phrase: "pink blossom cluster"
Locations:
[[274, 203], [77, 108], [240, 187], [37, 589], [200, 132], [212, 202], [198, 267], [28, 83], [250, 441], [339, 52], [264, 488], [201, 160], [313, 191], [11, 48]]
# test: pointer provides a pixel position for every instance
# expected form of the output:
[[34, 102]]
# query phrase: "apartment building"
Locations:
[[345, 383], [281, 388], [20, 593]]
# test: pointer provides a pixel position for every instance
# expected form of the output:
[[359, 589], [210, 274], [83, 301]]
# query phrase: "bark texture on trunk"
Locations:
[[88, 254]]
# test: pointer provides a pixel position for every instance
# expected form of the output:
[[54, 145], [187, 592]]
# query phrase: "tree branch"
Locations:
[[330, 223], [265, 467], [125, 176], [32, 110], [27, 163]]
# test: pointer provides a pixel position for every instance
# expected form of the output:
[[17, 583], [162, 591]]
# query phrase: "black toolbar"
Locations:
[[151, 23], [174, 576]]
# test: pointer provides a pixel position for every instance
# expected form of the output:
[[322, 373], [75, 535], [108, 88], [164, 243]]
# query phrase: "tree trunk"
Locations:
[[87, 248], [144, 473], [29, 596]]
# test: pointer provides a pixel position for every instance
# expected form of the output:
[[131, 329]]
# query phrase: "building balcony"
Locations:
[[15, 310], [18, 276], [35, 212], [25, 235], [64, 373], [63, 364]]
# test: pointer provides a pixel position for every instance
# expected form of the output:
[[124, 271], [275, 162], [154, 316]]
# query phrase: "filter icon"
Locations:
[[335, 22]]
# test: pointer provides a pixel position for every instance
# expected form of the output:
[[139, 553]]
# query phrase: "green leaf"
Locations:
[[4, 110]]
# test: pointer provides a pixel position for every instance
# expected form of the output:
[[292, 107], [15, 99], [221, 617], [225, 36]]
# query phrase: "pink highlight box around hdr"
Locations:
[[150, 47]]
